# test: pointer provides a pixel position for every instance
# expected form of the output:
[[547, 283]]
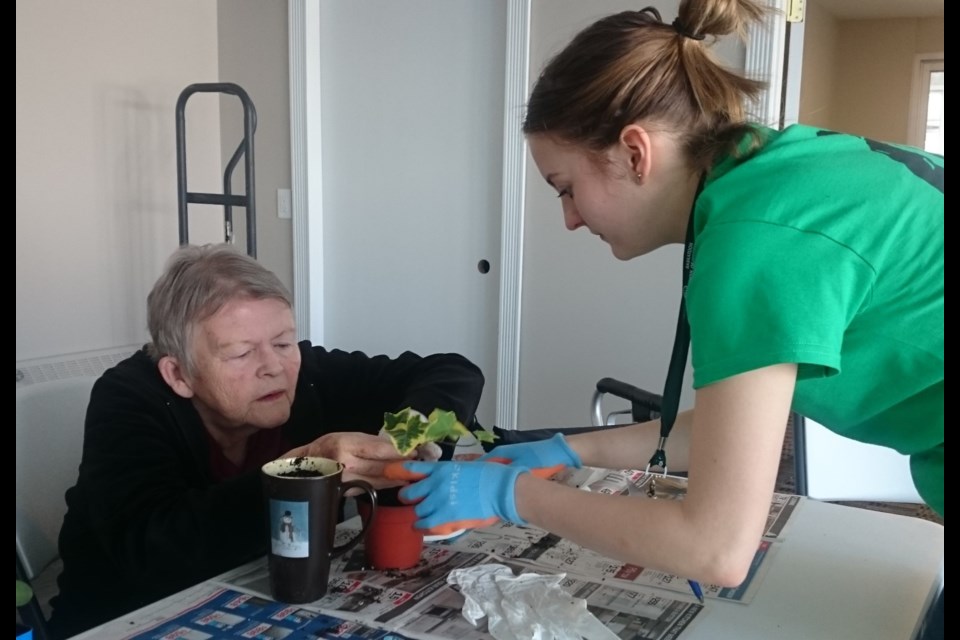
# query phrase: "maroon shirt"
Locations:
[[262, 447]]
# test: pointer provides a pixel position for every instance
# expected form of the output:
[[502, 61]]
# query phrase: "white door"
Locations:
[[411, 117]]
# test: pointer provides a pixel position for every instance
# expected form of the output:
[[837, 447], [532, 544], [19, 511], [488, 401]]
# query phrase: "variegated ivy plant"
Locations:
[[408, 429]]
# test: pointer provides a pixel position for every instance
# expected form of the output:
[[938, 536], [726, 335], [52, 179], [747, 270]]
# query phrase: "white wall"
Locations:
[[97, 84]]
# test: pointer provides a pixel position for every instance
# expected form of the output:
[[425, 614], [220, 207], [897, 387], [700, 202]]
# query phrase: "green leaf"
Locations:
[[24, 593], [391, 420], [443, 425], [407, 430], [482, 435]]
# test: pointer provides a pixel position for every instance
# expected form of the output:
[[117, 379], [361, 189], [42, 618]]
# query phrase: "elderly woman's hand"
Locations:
[[363, 455]]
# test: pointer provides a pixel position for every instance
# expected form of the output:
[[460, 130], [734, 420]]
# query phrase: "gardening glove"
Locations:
[[462, 495], [549, 454]]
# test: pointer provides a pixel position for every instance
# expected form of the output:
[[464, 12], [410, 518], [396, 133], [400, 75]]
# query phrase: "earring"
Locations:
[[639, 177]]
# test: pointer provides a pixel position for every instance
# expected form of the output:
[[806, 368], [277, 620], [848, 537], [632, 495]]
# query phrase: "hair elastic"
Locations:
[[680, 28]]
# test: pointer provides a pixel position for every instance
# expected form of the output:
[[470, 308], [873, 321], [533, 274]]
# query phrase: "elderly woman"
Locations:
[[169, 492]]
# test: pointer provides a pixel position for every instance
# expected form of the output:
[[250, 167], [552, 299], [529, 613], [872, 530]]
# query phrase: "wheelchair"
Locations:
[[644, 406]]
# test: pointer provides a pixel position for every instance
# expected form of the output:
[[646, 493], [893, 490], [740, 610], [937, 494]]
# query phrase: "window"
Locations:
[[926, 110]]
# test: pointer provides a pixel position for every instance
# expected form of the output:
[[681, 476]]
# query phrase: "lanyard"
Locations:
[[678, 359]]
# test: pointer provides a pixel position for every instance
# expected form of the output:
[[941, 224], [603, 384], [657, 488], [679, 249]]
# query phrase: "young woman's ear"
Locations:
[[636, 143], [175, 376]]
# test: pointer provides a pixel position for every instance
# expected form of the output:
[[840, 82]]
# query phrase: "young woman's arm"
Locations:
[[630, 447], [735, 441]]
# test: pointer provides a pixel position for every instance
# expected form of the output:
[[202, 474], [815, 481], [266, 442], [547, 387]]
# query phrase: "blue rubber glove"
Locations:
[[538, 454], [463, 495]]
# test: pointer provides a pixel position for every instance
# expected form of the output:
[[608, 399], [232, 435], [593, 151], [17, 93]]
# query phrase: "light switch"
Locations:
[[284, 204]]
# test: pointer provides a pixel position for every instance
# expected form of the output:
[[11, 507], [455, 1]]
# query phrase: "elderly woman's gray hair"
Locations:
[[196, 282]]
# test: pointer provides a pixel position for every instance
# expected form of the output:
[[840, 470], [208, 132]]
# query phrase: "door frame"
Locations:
[[923, 65]]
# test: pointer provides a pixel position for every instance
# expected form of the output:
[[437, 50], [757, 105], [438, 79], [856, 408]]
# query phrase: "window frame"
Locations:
[[924, 64]]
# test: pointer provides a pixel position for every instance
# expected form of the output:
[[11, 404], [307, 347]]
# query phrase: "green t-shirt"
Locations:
[[826, 250]]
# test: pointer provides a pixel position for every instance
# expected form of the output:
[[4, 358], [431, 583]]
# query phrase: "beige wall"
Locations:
[[857, 74], [817, 87], [97, 84], [253, 54]]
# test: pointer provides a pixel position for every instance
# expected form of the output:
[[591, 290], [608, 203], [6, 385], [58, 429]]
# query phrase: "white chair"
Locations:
[[50, 419], [833, 468]]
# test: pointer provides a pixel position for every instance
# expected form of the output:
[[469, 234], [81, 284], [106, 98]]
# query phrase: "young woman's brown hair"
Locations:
[[632, 67]]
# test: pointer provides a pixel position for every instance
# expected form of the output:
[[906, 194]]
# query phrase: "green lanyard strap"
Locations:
[[678, 359]]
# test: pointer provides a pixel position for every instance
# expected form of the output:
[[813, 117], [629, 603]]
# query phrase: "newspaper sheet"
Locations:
[[541, 550], [415, 604], [636, 603], [418, 602]]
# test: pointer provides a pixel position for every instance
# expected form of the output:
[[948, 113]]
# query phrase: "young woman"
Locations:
[[813, 278]]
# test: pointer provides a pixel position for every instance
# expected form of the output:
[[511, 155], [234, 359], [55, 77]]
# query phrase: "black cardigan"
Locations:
[[146, 520]]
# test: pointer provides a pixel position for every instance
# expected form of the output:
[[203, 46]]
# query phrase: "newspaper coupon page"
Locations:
[[631, 613], [218, 613], [415, 603], [145, 622], [782, 507]]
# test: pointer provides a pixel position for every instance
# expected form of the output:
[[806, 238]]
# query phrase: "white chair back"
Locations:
[[50, 419], [840, 469]]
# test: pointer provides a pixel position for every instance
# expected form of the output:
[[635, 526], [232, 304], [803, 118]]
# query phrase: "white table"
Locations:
[[839, 573]]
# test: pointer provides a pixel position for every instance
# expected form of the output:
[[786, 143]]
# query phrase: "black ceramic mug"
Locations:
[[302, 504]]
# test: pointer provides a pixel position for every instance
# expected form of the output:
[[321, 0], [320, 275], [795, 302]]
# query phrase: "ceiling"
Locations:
[[878, 9]]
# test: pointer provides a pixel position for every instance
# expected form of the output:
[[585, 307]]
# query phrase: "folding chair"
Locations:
[[50, 421]]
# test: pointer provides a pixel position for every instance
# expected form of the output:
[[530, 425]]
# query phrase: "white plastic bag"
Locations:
[[525, 607]]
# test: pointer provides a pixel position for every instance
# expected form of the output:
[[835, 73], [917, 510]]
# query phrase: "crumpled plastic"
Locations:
[[525, 607]]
